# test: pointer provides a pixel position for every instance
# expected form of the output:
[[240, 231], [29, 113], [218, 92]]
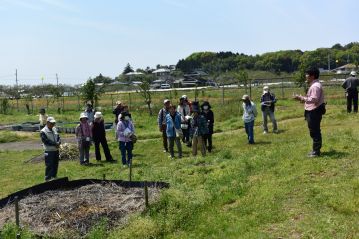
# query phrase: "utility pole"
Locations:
[[17, 91], [57, 80], [328, 62]]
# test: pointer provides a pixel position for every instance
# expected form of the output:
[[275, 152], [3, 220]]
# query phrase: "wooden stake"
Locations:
[[146, 195], [17, 216]]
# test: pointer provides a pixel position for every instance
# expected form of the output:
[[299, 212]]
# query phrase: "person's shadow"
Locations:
[[334, 154]]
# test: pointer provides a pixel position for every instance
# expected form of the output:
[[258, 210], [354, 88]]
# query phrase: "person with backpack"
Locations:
[[249, 115], [314, 108], [198, 130], [174, 131], [161, 121], [268, 101]]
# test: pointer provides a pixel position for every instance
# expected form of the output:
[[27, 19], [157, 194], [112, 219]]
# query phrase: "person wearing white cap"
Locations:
[[268, 101], [51, 143], [351, 92], [99, 137], [84, 136], [249, 115], [161, 121]]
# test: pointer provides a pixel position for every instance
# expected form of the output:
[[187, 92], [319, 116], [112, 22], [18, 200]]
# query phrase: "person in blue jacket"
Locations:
[[174, 131]]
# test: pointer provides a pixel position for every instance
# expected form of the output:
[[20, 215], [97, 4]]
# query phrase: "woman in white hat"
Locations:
[[84, 136], [99, 137]]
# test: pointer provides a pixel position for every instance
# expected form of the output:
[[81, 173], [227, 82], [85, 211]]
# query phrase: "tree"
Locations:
[[243, 79], [91, 92], [145, 90], [127, 69]]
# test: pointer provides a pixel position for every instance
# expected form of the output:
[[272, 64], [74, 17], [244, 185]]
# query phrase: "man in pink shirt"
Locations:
[[314, 108]]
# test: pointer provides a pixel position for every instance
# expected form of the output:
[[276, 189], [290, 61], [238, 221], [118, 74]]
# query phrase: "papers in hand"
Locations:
[[127, 132], [187, 117]]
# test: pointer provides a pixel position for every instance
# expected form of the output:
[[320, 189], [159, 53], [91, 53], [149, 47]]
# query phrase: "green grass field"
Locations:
[[267, 190]]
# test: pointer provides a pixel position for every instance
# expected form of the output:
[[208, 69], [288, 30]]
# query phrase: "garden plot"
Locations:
[[74, 212]]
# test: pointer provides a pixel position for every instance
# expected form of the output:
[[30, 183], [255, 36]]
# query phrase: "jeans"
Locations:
[[352, 97], [267, 112], [52, 164], [171, 142], [84, 153], [105, 148], [249, 131], [126, 147], [198, 141], [313, 118]]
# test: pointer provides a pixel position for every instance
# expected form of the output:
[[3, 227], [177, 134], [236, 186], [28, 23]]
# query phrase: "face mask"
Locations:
[[205, 107], [127, 117]]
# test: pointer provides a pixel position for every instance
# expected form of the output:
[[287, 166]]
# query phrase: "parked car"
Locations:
[[165, 86]]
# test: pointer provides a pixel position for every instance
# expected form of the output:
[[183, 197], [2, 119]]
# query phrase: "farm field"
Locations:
[[267, 190]]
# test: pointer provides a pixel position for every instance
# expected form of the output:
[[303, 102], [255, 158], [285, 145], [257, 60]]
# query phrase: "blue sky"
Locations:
[[79, 39]]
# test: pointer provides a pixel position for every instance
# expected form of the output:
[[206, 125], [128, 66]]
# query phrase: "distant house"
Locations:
[[345, 69], [162, 72]]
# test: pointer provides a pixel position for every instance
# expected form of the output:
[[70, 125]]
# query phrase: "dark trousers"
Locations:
[[52, 164], [105, 148], [126, 147], [164, 139], [171, 142], [185, 137], [208, 141], [313, 118], [352, 97]]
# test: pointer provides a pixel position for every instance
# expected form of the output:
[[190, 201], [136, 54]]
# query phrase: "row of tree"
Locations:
[[280, 61]]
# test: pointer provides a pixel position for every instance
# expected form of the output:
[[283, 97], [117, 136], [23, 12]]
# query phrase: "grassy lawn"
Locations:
[[267, 190]]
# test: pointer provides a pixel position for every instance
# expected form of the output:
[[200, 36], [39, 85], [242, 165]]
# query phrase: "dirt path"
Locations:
[[36, 144], [29, 144]]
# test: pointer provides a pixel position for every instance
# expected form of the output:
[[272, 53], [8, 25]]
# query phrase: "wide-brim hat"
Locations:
[[353, 73], [266, 88], [206, 103], [83, 115], [118, 102], [98, 115], [245, 97], [166, 101]]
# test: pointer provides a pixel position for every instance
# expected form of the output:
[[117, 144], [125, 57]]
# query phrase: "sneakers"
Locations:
[[265, 132], [276, 131], [313, 154]]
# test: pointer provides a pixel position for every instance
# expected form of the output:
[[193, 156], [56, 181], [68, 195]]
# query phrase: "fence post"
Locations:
[[17, 216], [282, 89], [130, 171], [111, 101], [129, 100], [146, 194], [250, 88], [223, 94]]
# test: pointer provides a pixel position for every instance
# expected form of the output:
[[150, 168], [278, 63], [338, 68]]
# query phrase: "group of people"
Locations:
[[188, 122], [90, 130]]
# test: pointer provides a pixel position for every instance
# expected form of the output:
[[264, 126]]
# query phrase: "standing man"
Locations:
[[90, 113], [314, 108], [117, 111], [51, 142], [267, 106], [161, 120], [351, 92]]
